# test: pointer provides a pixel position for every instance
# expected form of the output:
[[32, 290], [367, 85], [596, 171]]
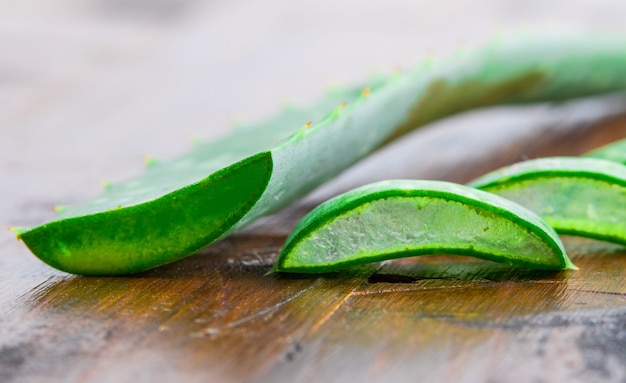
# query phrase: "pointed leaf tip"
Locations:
[[149, 161], [106, 185], [271, 271], [18, 231], [59, 208]]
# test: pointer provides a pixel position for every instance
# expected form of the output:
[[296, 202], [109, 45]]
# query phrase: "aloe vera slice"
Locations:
[[615, 151], [402, 218], [179, 206], [577, 196]]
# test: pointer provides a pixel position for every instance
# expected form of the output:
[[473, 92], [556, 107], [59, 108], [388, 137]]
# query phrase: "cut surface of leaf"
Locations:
[[143, 223], [401, 218], [577, 196], [151, 234]]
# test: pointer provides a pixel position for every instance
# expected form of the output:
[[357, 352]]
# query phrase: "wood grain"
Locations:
[[215, 316], [88, 89]]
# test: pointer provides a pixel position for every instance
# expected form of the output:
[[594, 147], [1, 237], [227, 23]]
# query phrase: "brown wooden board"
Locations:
[[87, 88], [216, 316]]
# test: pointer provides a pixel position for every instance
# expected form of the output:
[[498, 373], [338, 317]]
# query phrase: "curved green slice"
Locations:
[[401, 218], [161, 230], [615, 151], [179, 206], [577, 196]]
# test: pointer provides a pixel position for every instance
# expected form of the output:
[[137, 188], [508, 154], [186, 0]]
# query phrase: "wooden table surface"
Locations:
[[89, 87]]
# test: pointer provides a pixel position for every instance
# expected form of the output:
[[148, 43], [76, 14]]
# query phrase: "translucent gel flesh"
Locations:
[[573, 205], [381, 228]]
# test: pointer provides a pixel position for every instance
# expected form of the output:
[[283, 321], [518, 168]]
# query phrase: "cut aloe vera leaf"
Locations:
[[578, 196], [402, 218], [164, 214], [615, 151]]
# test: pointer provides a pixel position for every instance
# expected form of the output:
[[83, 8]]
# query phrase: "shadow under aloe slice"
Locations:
[[402, 218], [159, 217]]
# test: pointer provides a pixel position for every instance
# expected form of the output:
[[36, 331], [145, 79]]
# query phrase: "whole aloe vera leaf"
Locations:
[[402, 218], [273, 163], [575, 195], [615, 151]]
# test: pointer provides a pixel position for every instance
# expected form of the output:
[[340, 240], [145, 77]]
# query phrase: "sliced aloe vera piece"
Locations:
[[577, 196], [164, 214], [402, 218], [615, 151]]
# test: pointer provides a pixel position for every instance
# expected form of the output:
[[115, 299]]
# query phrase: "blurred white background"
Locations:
[[96, 84]]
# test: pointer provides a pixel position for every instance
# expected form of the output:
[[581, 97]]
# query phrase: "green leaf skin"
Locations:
[[577, 196], [402, 218], [615, 151], [160, 231], [347, 126]]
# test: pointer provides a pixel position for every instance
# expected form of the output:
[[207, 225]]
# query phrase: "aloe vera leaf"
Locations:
[[290, 161], [615, 151], [402, 218], [575, 195]]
